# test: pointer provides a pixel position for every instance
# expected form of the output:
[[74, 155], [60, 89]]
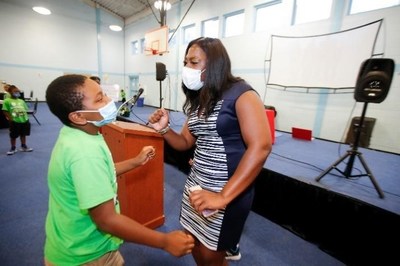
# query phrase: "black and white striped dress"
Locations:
[[219, 148]]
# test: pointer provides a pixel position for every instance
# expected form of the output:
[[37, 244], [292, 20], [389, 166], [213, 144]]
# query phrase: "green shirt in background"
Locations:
[[123, 94], [17, 108], [81, 175]]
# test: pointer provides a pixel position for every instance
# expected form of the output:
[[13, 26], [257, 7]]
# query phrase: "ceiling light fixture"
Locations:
[[115, 28], [163, 6], [41, 10]]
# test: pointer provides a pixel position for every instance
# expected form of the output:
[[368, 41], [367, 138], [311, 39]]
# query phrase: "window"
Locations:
[[135, 47], [142, 45], [188, 33], [234, 24], [269, 15], [312, 10], [210, 28], [358, 6]]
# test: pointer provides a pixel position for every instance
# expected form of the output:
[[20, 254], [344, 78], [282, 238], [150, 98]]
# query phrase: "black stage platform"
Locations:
[[345, 217]]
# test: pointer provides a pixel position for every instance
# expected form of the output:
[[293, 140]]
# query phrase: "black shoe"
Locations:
[[233, 253], [12, 151], [26, 149]]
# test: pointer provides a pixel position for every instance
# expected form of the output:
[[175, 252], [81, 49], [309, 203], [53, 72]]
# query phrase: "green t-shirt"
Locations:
[[81, 175], [17, 108]]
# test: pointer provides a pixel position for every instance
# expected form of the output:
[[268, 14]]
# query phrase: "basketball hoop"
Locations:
[[156, 41], [150, 51]]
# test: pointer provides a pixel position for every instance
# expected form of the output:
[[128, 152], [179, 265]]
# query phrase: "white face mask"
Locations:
[[192, 78], [108, 112]]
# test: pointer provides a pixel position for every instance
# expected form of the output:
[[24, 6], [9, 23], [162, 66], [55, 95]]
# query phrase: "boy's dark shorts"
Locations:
[[20, 129]]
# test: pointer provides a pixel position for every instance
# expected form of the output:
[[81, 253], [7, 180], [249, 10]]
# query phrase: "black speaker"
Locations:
[[373, 81], [161, 71]]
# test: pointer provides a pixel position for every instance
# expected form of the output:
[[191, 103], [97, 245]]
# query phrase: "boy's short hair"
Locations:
[[12, 87], [95, 78], [64, 96]]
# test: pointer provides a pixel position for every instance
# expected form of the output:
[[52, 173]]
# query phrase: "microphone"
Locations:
[[132, 100]]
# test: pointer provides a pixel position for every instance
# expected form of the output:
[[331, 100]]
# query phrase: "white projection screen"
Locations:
[[330, 61]]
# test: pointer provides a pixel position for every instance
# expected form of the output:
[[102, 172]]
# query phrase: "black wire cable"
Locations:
[[180, 22], [152, 11]]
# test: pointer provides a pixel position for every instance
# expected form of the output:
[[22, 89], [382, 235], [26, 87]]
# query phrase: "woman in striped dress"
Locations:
[[227, 124]]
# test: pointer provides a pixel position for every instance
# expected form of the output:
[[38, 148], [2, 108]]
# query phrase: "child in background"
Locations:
[[15, 109], [123, 95], [83, 223]]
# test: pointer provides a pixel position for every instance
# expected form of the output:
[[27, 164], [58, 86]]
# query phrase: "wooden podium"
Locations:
[[141, 190]]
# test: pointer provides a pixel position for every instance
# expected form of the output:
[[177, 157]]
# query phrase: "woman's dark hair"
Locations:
[[64, 96], [218, 77]]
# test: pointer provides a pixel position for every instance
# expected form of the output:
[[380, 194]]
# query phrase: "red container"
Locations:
[[271, 121]]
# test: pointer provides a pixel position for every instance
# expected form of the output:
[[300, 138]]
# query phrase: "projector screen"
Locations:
[[329, 61]]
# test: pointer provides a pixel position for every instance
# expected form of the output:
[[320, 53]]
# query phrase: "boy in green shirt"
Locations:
[[83, 223], [15, 109], [123, 95]]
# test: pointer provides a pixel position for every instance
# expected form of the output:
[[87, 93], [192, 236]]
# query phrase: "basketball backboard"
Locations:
[[156, 41]]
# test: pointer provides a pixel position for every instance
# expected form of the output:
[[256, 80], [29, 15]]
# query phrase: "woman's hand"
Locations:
[[203, 199], [159, 119]]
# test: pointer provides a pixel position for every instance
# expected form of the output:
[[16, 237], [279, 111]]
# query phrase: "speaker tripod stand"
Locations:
[[352, 154], [161, 98]]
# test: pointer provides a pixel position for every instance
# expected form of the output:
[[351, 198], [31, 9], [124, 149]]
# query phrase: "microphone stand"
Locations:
[[132, 100], [125, 103], [161, 98]]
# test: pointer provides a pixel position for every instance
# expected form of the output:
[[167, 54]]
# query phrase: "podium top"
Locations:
[[135, 128]]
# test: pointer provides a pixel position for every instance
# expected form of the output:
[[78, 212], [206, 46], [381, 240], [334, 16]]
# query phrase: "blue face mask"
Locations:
[[16, 94], [108, 112]]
